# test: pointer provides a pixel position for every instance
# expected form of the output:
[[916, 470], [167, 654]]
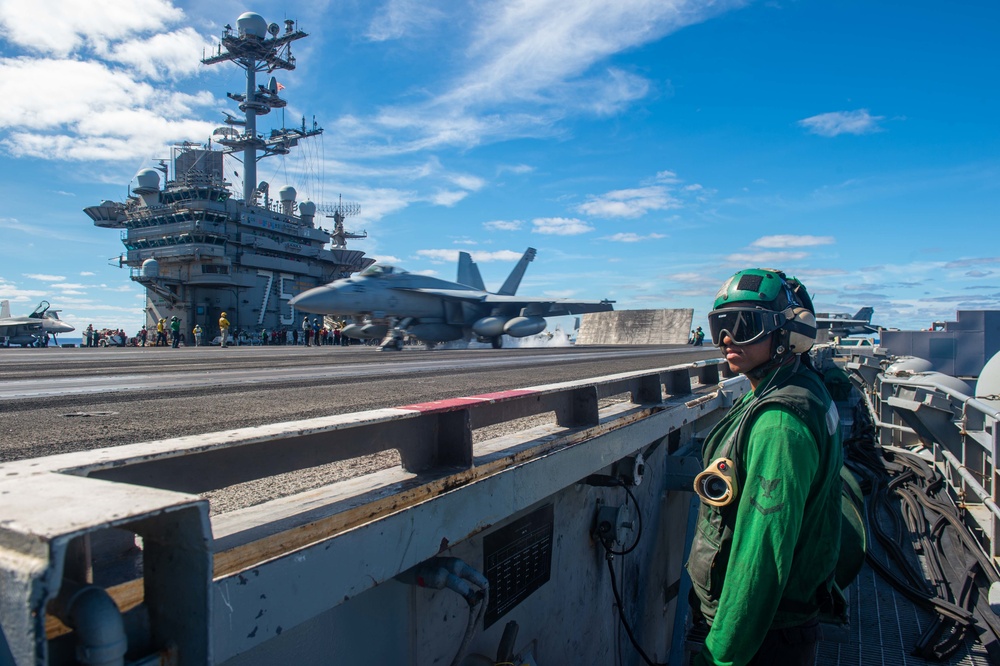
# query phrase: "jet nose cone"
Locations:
[[314, 300]]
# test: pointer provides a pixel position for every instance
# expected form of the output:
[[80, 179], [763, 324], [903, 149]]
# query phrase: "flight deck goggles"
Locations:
[[744, 326]]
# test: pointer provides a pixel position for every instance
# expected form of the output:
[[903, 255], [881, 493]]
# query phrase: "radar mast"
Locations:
[[257, 47]]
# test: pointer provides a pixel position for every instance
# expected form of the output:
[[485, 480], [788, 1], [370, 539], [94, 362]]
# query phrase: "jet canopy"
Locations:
[[381, 270], [40, 311]]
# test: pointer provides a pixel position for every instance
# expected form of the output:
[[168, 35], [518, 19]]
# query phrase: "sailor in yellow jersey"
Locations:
[[224, 330]]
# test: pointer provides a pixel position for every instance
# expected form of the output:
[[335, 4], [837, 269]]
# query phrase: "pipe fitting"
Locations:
[[91, 612]]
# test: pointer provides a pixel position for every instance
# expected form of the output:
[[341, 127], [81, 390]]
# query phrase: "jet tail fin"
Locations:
[[4, 309], [509, 287], [468, 272], [865, 314]]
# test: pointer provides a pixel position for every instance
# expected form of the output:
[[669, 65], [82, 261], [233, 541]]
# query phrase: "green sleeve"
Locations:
[[781, 459]]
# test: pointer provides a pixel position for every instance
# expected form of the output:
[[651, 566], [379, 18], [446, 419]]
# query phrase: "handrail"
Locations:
[[961, 432]]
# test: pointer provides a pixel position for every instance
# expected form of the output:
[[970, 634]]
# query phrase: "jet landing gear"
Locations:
[[392, 342], [497, 341]]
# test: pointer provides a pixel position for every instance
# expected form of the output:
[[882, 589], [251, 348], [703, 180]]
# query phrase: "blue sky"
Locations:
[[647, 149]]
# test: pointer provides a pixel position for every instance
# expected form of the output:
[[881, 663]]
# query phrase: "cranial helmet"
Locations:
[[759, 301], [223, 314]]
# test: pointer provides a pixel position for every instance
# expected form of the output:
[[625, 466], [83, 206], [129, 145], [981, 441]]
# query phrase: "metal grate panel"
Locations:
[[885, 627]]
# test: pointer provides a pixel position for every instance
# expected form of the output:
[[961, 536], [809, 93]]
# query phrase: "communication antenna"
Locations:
[[338, 212], [341, 209], [257, 46]]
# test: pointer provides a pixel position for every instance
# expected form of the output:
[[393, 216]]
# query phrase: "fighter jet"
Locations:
[[434, 310], [29, 329], [843, 324]]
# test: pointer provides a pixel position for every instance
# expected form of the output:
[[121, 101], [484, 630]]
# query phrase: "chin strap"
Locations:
[[780, 355]]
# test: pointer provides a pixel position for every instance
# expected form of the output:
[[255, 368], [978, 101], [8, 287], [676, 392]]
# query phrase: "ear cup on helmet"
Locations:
[[801, 330]]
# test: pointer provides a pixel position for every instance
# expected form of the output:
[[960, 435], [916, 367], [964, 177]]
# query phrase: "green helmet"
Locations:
[[771, 302]]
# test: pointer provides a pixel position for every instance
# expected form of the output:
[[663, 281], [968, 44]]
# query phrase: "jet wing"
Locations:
[[469, 295], [539, 307], [18, 326], [548, 307]]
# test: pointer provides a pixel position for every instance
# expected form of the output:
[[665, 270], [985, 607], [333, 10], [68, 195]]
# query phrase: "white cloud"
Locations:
[[530, 50], [9, 292], [164, 55], [842, 122], [503, 225], [385, 259], [560, 226], [629, 237], [472, 183], [87, 273], [780, 241], [63, 26], [545, 56], [448, 198], [429, 272], [629, 203], [690, 278], [101, 113], [402, 18], [515, 168], [45, 278]]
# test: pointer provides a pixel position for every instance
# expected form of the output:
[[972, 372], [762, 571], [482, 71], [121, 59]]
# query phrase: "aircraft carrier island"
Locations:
[[197, 249]]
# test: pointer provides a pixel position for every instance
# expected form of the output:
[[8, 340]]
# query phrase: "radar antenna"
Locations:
[[338, 212], [254, 51]]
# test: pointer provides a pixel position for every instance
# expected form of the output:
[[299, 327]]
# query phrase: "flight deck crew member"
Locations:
[[306, 330], [196, 333], [224, 330], [768, 533], [175, 332]]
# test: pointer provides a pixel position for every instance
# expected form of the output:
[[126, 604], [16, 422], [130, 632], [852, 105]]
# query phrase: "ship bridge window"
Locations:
[[377, 271]]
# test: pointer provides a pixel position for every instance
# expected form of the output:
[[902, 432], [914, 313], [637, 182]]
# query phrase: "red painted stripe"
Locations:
[[453, 404]]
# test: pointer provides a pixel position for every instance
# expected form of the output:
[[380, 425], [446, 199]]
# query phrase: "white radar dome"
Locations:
[[251, 23], [989, 382], [307, 208], [287, 193], [148, 179], [150, 268]]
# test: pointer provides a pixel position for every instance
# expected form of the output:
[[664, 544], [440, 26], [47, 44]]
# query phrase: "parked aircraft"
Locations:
[[434, 310], [28, 329], [843, 324]]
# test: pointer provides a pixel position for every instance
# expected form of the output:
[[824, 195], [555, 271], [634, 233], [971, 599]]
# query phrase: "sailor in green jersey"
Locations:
[[768, 532]]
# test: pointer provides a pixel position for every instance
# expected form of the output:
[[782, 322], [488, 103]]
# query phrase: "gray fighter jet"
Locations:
[[29, 329], [843, 323], [433, 310]]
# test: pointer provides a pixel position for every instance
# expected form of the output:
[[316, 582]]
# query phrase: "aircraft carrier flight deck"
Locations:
[[61, 400]]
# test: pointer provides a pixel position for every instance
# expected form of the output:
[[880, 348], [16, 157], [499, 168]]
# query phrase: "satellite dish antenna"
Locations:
[[273, 29]]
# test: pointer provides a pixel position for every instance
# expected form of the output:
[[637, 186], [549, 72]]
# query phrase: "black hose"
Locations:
[[621, 616]]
